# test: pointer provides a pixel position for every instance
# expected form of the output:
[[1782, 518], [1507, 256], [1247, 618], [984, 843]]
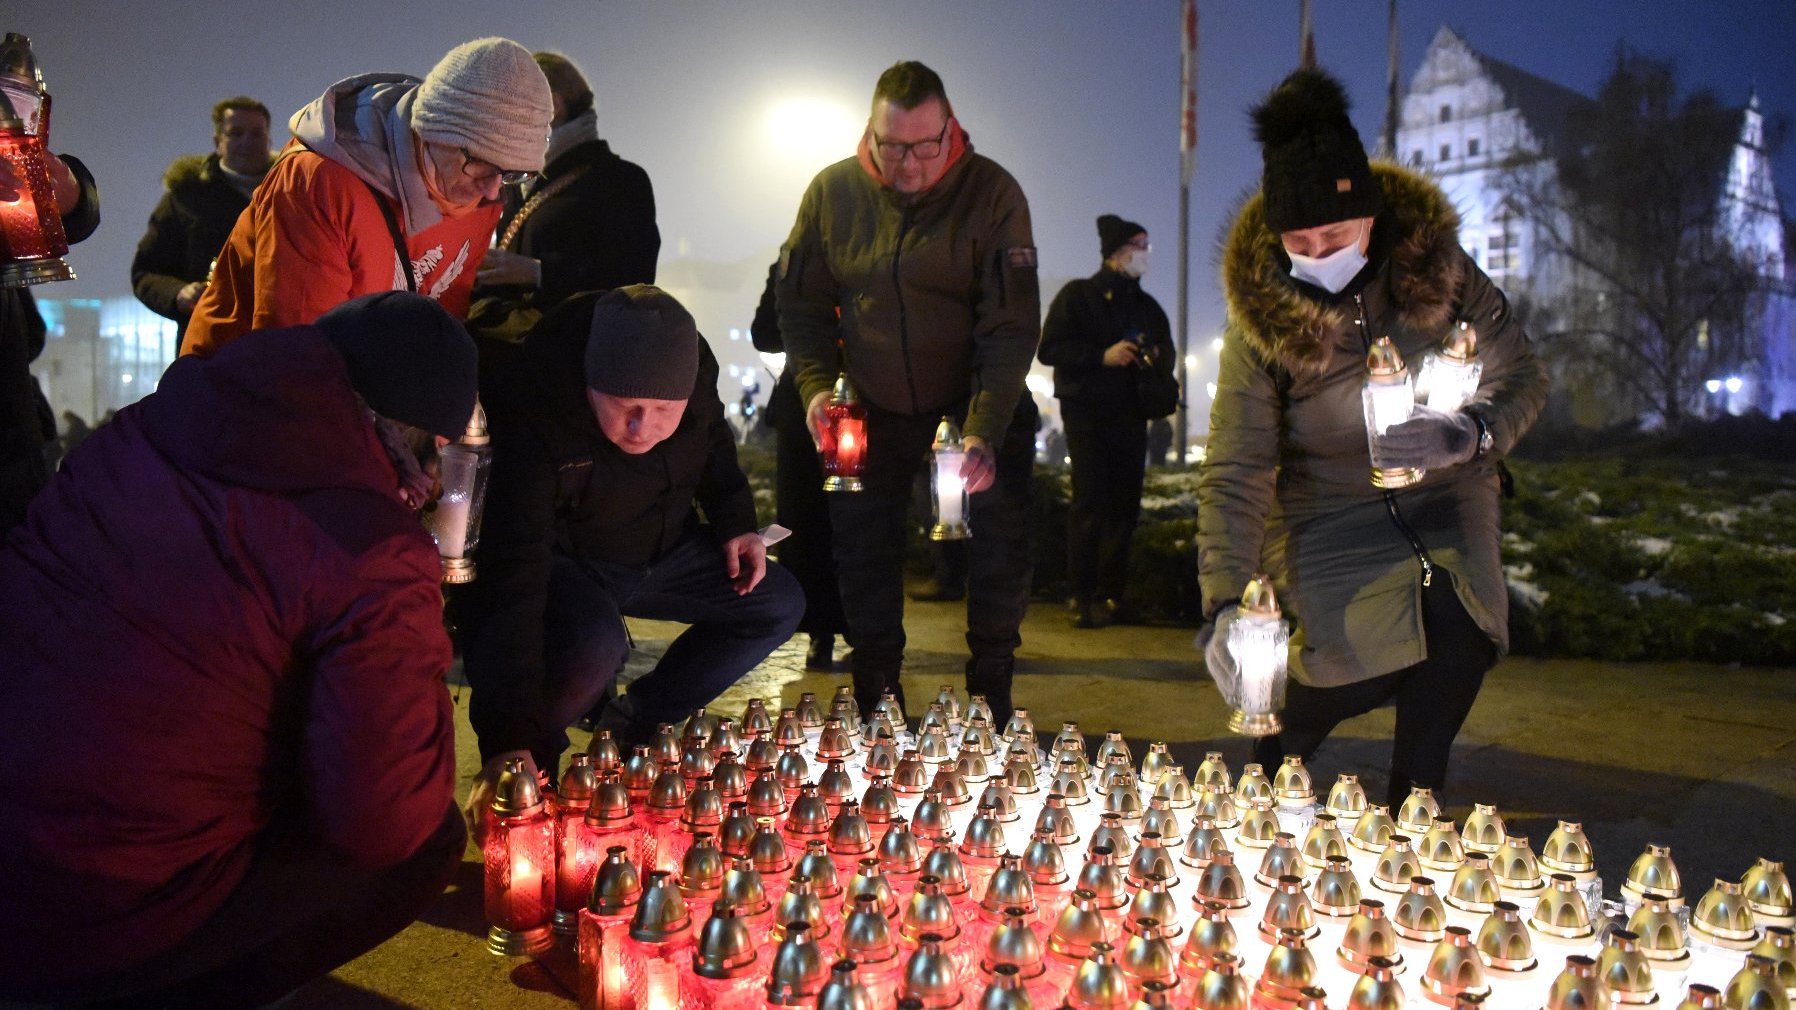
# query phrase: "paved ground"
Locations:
[[1702, 758]]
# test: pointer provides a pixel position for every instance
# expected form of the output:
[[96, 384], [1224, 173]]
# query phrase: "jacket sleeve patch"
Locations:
[[1021, 257]]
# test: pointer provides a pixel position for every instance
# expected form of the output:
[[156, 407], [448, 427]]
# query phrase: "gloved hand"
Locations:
[[1217, 659], [1431, 439]]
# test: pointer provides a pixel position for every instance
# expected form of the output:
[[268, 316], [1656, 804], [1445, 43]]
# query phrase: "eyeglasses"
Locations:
[[893, 151], [484, 171]]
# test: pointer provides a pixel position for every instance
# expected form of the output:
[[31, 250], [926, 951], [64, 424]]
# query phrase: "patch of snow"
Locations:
[[1723, 519], [1775, 620], [1527, 592], [1588, 500], [1654, 547], [1515, 544], [1651, 587]]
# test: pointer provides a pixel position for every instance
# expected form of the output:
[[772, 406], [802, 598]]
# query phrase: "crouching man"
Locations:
[[607, 432], [225, 743]]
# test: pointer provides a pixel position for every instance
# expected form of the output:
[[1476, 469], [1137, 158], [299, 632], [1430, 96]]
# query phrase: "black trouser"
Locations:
[[1433, 698], [586, 642], [804, 509], [870, 541], [1109, 462], [301, 911]]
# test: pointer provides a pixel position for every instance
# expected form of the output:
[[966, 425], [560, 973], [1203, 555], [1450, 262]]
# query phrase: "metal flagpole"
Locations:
[[1306, 41], [1390, 89], [1187, 165]]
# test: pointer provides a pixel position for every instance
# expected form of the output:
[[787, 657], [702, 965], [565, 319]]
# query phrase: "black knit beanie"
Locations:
[[1315, 169], [1114, 233], [408, 358], [643, 343]]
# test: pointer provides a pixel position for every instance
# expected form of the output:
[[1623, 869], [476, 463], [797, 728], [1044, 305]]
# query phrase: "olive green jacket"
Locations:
[[940, 307], [1285, 486]]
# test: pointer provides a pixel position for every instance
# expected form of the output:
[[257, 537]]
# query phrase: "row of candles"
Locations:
[[665, 865]]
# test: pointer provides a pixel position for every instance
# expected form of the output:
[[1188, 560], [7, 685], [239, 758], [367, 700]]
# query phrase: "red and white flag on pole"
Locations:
[[1187, 91]]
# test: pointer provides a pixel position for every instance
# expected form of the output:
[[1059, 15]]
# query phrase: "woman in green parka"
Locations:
[[1394, 596]]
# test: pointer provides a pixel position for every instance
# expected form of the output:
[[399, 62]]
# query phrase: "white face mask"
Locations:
[[1134, 264], [1331, 273]]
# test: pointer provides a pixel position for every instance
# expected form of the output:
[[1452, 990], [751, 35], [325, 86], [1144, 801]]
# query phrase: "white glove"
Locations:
[[1217, 659]]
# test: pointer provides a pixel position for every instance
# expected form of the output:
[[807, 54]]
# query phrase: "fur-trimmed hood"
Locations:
[[1287, 327], [200, 170], [189, 170]]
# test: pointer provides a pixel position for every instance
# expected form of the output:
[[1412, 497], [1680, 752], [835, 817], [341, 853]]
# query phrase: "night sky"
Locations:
[[1077, 98]]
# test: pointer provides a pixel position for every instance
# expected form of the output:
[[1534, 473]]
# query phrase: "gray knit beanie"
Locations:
[[643, 343], [490, 97]]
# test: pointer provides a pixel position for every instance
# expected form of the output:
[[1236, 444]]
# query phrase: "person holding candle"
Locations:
[[928, 251], [224, 736], [608, 438], [26, 422], [1103, 337], [1395, 596]]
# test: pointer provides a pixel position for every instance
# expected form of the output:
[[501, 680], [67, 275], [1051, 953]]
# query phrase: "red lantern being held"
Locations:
[[843, 439], [31, 236], [520, 866]]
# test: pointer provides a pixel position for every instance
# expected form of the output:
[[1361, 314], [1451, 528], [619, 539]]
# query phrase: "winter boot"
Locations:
[[991, 677]]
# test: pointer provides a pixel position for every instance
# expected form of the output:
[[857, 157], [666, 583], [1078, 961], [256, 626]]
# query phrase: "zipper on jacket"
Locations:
[[910, 378], [1390, 500]]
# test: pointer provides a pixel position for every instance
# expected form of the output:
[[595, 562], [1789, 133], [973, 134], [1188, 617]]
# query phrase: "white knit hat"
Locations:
[[490, 97]]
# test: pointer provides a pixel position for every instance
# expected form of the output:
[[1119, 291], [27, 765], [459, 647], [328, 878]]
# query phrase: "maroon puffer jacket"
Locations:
[[216, 613]]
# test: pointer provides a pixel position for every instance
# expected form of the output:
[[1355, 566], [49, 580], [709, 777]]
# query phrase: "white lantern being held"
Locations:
[[455, 520], [1257, 641], [1449, 374], [950, 488], [1388, 398]]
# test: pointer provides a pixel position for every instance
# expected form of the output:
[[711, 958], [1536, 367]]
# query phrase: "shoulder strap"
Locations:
[[536, 200], [405, 259]]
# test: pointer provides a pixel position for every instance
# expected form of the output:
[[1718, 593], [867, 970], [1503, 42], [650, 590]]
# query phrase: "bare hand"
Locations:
[[478, 810], [189, 295], [981, 466], [63, 185], [1121, 354], [501, 266], [816, 418], [745, 561]]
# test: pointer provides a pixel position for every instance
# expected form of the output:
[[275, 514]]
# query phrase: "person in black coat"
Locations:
[[588, 224], [607, 430], [1101, 332], [206, 193], [798, 490], [26, 422]]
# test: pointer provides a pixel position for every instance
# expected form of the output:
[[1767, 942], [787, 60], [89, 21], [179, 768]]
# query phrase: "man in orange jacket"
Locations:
[[378, 163]]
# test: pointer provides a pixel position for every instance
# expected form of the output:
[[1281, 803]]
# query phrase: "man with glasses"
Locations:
[[389, 183], [926, 247]]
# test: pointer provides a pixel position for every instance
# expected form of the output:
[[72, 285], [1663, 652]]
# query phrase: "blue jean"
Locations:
[[586, 642]]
